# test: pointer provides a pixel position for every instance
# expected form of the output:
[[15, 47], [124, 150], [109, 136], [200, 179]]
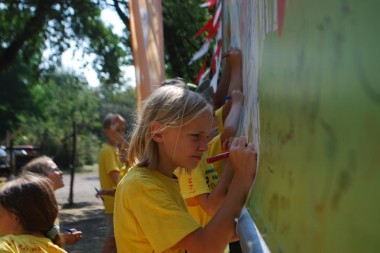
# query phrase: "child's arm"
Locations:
[[71, 236], [231, 78], [231, 122], [114, 176], [219, 231], [107, 192], [210, 202], [223, 85], [236, 83]]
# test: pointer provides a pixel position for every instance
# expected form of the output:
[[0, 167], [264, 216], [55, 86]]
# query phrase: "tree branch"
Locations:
[[31, 29], [121, 14]]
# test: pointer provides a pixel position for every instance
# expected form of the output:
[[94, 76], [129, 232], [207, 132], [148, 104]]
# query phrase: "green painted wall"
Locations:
[[318, 185]]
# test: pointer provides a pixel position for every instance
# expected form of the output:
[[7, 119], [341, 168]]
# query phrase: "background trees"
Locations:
[[30, 26], [39, 100]]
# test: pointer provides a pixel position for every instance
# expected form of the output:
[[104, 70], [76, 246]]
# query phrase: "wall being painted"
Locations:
[[318, 121]]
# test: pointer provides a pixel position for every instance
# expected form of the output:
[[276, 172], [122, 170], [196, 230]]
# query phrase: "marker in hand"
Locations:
[[70, 230], [97, 193], [219, 157]]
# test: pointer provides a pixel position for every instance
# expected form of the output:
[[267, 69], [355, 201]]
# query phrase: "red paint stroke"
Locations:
[[281, 5]]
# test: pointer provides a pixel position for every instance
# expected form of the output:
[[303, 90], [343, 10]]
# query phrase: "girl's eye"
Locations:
[[195, 136]]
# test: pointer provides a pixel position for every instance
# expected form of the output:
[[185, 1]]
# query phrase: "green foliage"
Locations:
[[59, 100], [65, 99], [17, 98], [182, 20], [28, 27], [39, 102]]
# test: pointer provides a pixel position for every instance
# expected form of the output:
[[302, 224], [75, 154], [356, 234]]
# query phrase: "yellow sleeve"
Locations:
[[219, 116], [193, 184], [215, 148], [109, 159], [150, 216], [160, 207], [7, 246]]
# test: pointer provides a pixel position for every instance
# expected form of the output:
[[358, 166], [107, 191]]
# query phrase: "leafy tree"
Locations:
[[182, 20], [39, 99], [28, 27], [66, 99], [16, 97]]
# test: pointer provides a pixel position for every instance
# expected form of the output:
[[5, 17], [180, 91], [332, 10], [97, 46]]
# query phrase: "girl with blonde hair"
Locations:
[[150, 214]]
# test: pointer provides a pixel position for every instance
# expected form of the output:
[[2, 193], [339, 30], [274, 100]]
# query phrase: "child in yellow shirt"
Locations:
[[150, 213]]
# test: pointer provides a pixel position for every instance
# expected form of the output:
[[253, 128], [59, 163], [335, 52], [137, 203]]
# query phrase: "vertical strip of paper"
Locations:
[[147, 46]]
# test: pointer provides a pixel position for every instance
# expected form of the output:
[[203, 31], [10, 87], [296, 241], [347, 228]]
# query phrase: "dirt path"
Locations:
[[86, 214]]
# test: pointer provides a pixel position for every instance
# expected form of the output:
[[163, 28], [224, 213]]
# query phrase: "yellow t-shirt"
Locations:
[[123, 171], [150, 213], [219, 116], [108, 161], [28, 243], [201, 180]]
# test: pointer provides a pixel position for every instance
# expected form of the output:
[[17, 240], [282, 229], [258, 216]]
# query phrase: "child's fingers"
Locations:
[[230, 51], [78, 234], [242, 141], [226, 144], [238, 142], [226, 54]]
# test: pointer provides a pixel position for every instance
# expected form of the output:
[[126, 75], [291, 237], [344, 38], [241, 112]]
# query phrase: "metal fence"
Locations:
[[251, 240]]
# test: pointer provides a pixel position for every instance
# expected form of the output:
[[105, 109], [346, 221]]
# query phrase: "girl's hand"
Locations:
[[226, 144], [234, 57], [107, 192], [243, 159], [72, 237]]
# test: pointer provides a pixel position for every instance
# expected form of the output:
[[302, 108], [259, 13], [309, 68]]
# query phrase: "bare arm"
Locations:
[[210, 202], [219, 231], [223, 86], [114, 176], [231, 123], [231, 78], [106, 192], [236, 64]]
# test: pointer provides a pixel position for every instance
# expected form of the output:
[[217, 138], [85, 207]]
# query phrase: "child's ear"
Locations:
[[16, 223], [156, 131]]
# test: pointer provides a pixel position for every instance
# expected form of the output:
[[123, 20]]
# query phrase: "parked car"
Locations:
[[21, 155], [13, 158], [5, 167]]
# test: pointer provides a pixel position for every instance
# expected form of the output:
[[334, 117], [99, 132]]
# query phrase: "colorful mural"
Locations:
[[313, 110]]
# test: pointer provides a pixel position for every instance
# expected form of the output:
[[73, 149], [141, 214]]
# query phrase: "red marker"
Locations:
[[219, 157]]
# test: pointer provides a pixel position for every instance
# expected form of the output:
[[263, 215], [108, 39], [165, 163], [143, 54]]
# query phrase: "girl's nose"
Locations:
[[203, 146]]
